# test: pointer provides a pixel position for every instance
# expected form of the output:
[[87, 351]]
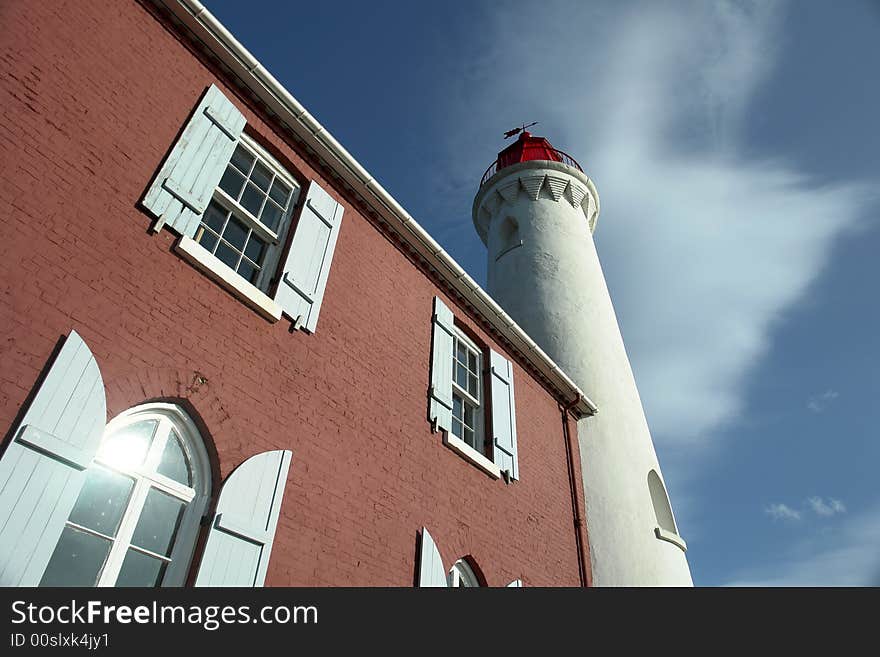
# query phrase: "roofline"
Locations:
[[221, 43]]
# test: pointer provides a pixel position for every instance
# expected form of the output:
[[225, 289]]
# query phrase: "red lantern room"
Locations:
[[526, 148]]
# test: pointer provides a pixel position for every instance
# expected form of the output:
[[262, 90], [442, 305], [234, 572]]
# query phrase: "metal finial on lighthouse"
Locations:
[[516, 131]]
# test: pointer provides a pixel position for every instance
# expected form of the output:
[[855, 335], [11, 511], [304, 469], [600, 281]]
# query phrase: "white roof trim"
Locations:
[[226, 47]]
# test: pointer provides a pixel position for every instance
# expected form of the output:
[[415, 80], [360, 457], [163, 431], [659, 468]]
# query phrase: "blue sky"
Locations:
[[736, 150]]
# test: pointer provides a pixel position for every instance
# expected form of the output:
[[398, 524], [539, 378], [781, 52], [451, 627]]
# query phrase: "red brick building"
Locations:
[[296, 381]]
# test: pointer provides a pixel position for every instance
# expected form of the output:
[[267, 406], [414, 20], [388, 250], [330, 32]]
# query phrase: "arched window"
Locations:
[[136, 519], [461, 575], [509, 238], [509, 232], [660, 500]]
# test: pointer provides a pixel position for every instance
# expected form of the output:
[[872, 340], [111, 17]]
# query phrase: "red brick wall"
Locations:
[[93, 95]]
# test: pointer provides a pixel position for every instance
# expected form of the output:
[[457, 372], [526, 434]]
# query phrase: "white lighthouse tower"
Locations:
[[536, 211]]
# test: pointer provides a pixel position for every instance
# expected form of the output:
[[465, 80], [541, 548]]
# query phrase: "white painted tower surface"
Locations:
[[536, 214]]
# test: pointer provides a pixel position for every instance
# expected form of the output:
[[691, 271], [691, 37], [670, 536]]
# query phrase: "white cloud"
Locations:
[[822, 508], [819, 506], [818, 403], [847, 556], [782, 512]]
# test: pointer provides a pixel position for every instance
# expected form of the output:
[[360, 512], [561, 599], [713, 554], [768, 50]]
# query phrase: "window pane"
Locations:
[[158, 523], [227, 255], [472, 385], [255, 248], [461, 376], [456, 428], [215, 217], [280, 192], [469, 413], [252, 200], [261, 176], [102, 501], [127, 447], [271, 215], [469, 439], [456, 406], [206, 238], [174, 464], [462, 353], [139, 569], [242, 159], [77, 561], [472, 362], [232, 182], [248, 271], [236, 233]]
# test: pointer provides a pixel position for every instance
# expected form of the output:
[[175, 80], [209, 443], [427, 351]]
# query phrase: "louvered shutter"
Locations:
[[301, 288], [440, 413], [503, 415], [181, 191], [431, 570], [240, 541], [43, 468]]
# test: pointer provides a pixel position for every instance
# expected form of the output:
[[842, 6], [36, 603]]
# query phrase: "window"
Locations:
[[466, 434], [245, 222], [473, 405], [666, 529], [120, 504], [509, 238], [231, 203], [462, 575], [467, 392], [135, 520]]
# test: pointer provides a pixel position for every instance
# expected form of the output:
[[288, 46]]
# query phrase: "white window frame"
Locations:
[[253, 294], [450, 439], [168, 417], [461, 575]]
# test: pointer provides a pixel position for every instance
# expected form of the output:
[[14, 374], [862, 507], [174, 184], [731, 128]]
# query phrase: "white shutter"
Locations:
[[304, 278], [503, 415], [431, 570], [515, 584], [240, 542], [440, 413], [43, 468], [182, 189]]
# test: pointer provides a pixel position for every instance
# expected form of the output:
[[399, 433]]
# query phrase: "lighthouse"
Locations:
[[536, 211]]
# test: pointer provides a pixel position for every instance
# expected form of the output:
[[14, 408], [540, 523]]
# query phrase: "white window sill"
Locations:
[[458, 445], [675, 539], [199, 257]]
